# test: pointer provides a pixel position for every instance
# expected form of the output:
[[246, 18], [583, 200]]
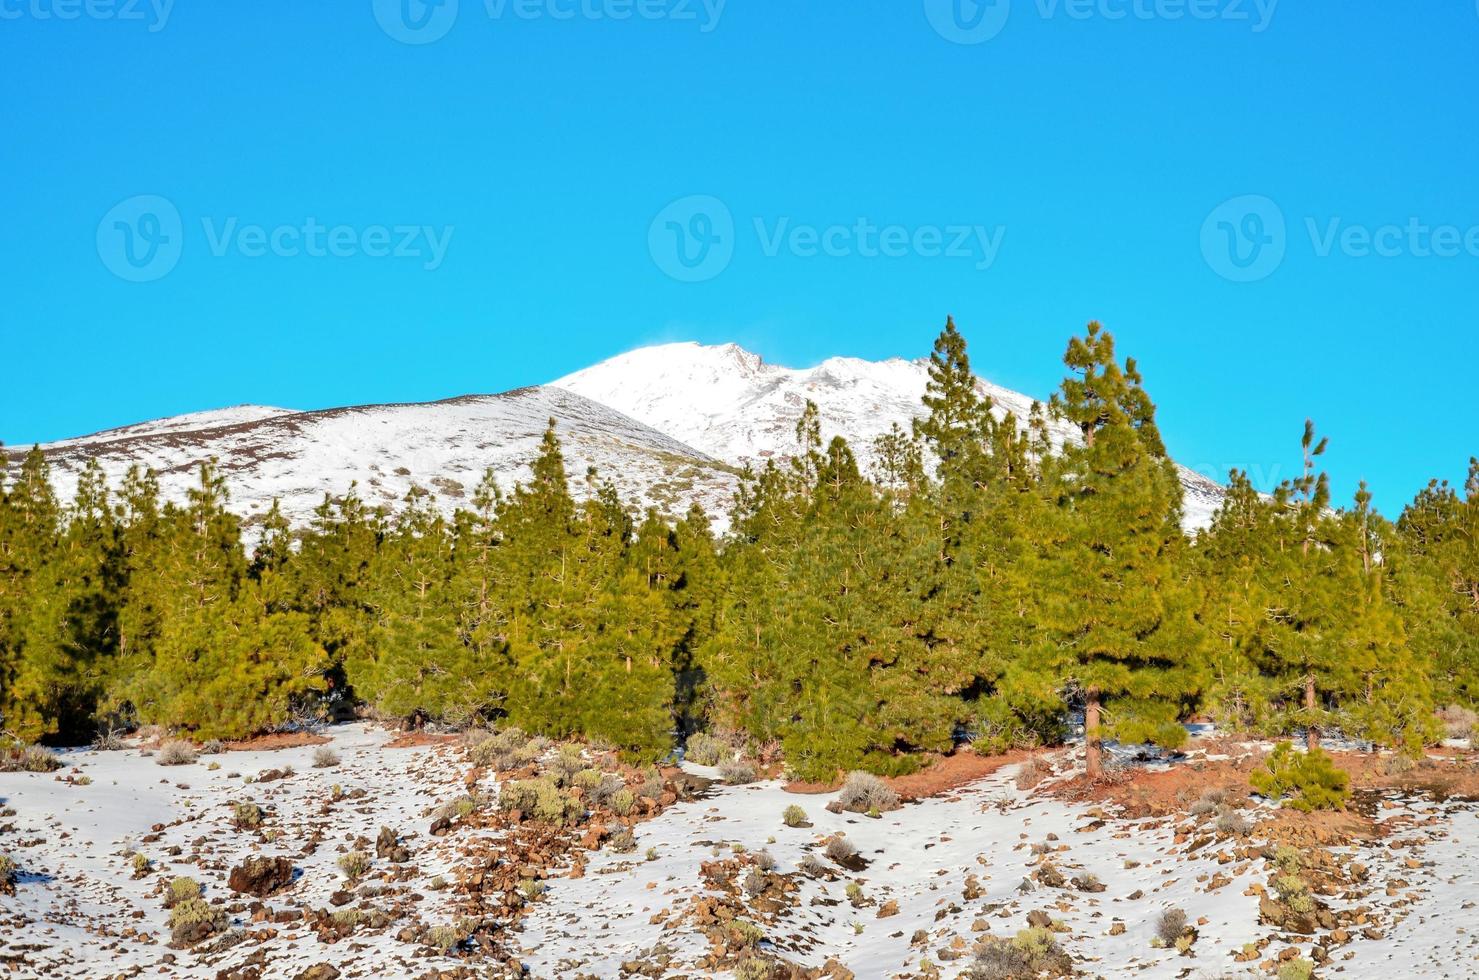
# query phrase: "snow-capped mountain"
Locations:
[[443, 447], [669, 425], [730, 404]]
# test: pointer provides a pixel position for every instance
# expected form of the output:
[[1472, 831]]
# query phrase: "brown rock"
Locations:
[[261, 876]]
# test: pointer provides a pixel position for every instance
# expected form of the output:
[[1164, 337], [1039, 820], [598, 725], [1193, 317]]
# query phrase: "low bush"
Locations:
[[109, 740], [1031, 953], [1033, 771], [1457, 721], [812, 866], [623, 842], [354, 865], [840, 849], [27, 758], [325, 758], [8, 872], [176, 753], [194, 919], [1297, 969], [1233, 823], [863, 792], [794, 816], [1312, 775], [540, 799], [622, 802], [181, 890], [737, 773], [1170, 925], [706, 750], [246, 816]]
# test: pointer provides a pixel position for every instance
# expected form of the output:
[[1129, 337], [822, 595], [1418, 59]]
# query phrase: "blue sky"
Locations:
[[330, 215]]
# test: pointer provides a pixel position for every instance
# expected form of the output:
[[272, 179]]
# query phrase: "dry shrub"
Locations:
[[176, 753], [863, 792]]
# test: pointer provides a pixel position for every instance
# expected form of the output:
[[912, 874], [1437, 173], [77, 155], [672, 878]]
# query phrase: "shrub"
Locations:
[[246, 816], [1170, 925], [325, 758], [176, 753], [1033, 771], [794, 816], [1312, 774], [540, 799], [109, 740], [28, 758], [213, 747], [811, 866], [7, 874], [737, 773], [706, 750], [181, 890], [754, 883], [1294, 892], [764, 860], [863, 792], [840, 849], [444, 939], [622, 802], [354, 865], [624, 841], [194, 919], [754, 968], [531, 888], [1297, 969], [1030, 953], [1457, 721], [1234, 823], [141, 864], [501, 751]]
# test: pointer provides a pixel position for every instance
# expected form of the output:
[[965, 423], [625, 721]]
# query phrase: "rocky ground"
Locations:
[[360, 853]]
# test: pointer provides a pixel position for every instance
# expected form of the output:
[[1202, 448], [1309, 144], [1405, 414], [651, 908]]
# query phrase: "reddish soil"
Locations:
[[280, 740], [942, 774], [411, 740]]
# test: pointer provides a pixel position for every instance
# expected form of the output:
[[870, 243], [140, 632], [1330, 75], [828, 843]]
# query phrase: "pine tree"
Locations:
[[1118, 606]]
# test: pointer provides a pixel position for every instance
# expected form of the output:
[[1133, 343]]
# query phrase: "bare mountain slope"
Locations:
[[444, 447], [729, 403]]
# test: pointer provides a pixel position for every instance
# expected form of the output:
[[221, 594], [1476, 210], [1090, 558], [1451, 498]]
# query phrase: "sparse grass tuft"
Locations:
[[325, 758]]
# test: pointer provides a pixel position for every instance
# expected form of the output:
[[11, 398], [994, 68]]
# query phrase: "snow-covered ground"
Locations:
[[944, 872]]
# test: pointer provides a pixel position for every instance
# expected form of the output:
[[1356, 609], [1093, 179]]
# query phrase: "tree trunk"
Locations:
[[1092, 751], [1311, 733]]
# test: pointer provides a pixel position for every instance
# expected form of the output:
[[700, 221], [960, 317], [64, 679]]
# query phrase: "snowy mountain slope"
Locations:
[[443, 447], [729, 403]]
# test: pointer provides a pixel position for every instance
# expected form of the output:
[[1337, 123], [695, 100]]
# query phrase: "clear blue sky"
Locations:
[[1097, 139]]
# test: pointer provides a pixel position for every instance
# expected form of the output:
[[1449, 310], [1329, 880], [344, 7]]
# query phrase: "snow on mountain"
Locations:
[[669, 425], [729, 403], [443, 447]]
